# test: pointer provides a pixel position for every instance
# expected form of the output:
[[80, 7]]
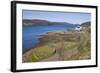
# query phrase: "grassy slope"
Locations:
[[38, 53], [46, 51]]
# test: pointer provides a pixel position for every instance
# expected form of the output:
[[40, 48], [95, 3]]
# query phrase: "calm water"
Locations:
[[31, 34]]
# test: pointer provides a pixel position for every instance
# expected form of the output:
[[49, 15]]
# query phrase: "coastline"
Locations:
[[52, 37], [61, 46]]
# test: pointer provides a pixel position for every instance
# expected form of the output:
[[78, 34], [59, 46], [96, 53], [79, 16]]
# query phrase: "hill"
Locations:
[[30, 22], [86, 24]]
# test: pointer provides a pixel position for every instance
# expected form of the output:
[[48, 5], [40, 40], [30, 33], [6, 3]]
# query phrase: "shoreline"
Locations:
[[52, 33], [50, 36], [40, 37]]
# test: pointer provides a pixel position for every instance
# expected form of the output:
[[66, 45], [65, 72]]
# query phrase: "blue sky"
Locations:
[[70, 17]]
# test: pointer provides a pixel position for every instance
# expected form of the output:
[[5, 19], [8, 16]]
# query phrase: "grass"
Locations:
[[70, 45], [39, 54], [44, 51]]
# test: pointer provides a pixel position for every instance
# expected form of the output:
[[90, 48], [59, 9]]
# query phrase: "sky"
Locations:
[[70, 17]]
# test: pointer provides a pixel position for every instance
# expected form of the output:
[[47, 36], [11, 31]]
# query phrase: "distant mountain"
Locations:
[[29, 22], [35, 22]]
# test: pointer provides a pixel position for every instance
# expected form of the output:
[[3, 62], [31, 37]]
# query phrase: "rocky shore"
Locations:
[[60, 35]]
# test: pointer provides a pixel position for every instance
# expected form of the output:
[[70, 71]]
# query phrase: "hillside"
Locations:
[[35, 22], [86, 24]]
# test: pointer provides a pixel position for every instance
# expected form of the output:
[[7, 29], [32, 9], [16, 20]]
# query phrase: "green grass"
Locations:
[[44, 51], [40, 53], [70, 45], [32, 58]]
